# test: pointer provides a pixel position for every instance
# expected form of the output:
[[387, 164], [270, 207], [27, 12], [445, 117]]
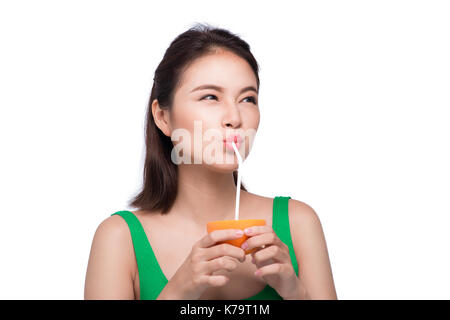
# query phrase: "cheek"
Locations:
[[195, 120], [255, 117], [188, 116], [250, 117], [189, 123], [251, 123], [195, 124]]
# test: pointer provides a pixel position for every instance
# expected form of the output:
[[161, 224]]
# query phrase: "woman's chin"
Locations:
[[222, 167], [225, 162]]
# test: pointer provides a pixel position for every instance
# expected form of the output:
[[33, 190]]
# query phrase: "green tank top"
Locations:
[[151, 278]]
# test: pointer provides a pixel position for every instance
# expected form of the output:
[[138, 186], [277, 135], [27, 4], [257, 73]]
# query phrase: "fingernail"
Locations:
[[239, 233], [248, 230], [244, 245], [258, 272]]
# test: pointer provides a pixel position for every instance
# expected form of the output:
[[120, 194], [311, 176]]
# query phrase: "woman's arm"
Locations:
[[109, 272], [311, 251]]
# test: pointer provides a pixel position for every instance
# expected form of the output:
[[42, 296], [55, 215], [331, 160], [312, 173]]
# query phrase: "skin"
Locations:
[[206, 193]]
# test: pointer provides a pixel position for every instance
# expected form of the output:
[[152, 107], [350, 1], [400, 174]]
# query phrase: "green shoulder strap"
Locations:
[[281, 226], [148, 267]]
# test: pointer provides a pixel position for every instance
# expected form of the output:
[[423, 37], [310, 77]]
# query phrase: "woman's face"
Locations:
[[210, 115]]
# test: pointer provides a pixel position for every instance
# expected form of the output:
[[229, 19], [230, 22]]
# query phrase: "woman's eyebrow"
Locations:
[[220, 89]]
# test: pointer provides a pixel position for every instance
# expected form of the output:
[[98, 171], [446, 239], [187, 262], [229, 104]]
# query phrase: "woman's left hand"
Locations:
[[273, 261]]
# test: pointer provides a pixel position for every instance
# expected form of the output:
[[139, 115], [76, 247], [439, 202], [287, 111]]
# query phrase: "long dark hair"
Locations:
[[160, 182]]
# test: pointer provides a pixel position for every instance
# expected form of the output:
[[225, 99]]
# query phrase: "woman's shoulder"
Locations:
[[256, 199], [113, 237], [111, 246], [299, 211], [113, 226], [302, 213], [298, 207], [113, 234]]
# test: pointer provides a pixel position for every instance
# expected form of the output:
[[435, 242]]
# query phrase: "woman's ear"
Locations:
[[162, 118]]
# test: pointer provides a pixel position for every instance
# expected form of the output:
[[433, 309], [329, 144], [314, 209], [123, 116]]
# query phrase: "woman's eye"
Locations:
[[252, 98], [209, 95]]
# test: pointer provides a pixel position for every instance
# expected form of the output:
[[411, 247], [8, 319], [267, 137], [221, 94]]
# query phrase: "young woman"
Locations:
[[207, 81]]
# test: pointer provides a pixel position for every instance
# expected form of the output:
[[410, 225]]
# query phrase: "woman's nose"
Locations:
[[232, 117]]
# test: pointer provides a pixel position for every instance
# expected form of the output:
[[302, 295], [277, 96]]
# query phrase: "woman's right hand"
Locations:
[[196, 274]]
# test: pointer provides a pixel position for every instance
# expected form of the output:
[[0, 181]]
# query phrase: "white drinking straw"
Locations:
[[238, 185]]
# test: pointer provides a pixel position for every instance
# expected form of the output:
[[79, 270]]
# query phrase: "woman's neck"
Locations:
[[204, 195]]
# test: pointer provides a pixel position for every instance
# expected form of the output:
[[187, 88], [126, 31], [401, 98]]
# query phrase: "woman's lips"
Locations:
[[228, 141], [230, 146]]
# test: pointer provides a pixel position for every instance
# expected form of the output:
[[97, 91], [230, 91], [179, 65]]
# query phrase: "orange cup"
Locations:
[[235, 224]]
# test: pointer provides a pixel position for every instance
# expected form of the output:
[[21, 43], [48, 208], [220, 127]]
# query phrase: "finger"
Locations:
[[252, 231], [222, 263], [272, 252], [218, 281], [262, 240], [271, 269], [253, 254], [212, 280], [224, 249], [219, 235]]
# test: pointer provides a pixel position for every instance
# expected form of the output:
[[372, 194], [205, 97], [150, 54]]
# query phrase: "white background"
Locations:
[[354, 101]]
